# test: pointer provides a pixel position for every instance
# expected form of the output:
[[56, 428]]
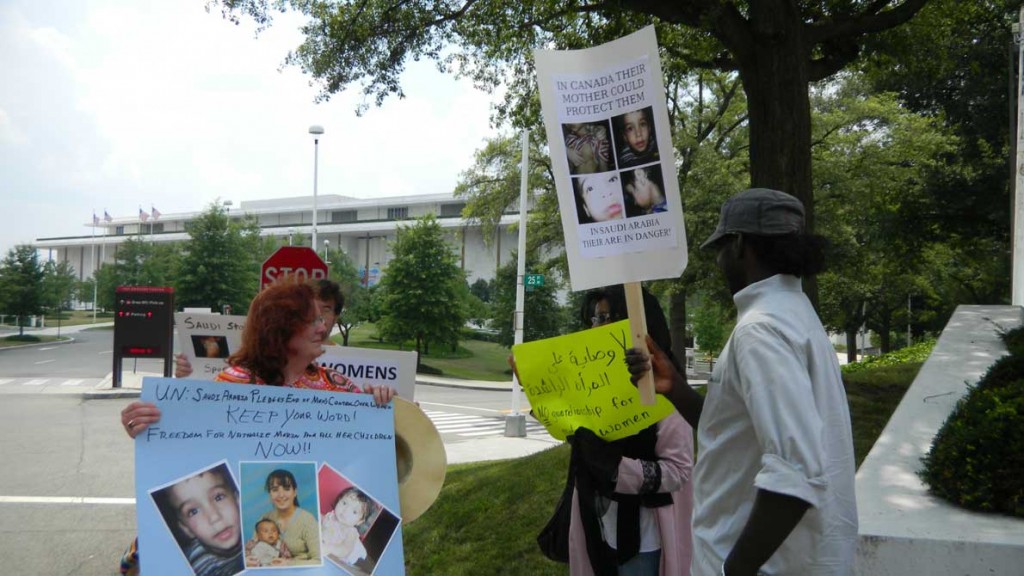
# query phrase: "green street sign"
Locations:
[[533, 280]]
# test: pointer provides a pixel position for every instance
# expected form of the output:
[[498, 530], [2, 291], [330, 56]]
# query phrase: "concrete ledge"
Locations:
[[904, 529]]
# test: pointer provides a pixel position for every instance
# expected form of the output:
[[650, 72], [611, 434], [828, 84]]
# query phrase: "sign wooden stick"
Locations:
[[638, 328]]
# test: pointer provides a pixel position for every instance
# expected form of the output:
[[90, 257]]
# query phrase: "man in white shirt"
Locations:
[[773, 483]]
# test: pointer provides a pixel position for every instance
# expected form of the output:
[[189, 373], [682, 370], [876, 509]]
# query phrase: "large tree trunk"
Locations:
[[774, 70], [851, 345]]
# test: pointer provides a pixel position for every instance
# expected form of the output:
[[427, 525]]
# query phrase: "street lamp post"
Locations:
[[316, 131], [327, 245]]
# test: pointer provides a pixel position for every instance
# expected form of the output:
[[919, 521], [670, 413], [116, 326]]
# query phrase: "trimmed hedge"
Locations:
[[977, 458], [23, 338], [915, 353]]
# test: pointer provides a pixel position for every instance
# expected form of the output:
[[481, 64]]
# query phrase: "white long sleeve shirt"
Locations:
[[776, 418]]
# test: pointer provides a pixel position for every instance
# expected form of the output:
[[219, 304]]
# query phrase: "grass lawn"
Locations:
[[486, 519], [473, 360]]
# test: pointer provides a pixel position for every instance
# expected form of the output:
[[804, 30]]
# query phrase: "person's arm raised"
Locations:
[[667, 380]]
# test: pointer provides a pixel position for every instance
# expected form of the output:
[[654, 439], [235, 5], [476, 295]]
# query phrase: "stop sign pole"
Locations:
[[292, 261]]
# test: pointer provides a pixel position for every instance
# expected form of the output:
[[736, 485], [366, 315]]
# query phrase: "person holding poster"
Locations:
[[633, 499], [329, 300], [283, 335], [774, 484]]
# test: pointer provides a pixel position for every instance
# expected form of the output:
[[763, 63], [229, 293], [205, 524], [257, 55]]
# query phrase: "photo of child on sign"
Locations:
[[607, 126]]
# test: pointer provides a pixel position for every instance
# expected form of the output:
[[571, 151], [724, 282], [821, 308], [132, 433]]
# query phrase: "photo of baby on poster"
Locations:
[[607, 127], [232, 480]]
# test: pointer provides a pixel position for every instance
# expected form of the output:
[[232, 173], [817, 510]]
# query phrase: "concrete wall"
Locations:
[[904, 530]]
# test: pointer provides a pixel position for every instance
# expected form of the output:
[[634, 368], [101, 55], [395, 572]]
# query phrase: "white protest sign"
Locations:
[[612, 156], [207, 340], [363, 366], [202, 475]]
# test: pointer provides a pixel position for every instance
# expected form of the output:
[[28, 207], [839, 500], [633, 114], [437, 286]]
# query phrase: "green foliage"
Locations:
[[221, 262], [59, 282], [542, 315], [916, 353], [712, 324], [873, 394], [21, 282], [977, 457], [423, 288], [30, 338]]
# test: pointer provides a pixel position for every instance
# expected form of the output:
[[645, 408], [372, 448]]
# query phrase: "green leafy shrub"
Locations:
[[915, 353], [977, 458]]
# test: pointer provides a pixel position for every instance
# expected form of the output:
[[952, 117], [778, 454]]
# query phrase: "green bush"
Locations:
[[915, 353], [977, 458]]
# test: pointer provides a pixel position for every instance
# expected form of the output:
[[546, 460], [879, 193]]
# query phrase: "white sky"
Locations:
[[113, 104]]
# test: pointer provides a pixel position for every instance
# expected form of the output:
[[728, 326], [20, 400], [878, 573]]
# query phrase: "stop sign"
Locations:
[[297, 261]]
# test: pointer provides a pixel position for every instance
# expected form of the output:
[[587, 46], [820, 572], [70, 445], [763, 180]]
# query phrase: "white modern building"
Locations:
[[362, 228]]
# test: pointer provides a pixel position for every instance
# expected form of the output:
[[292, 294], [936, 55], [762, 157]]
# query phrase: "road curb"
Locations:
[[34, 344]]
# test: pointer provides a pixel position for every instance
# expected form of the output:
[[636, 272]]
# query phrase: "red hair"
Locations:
[[277, 313]]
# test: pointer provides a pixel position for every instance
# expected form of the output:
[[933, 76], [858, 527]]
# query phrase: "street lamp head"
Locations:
[[316, 130]]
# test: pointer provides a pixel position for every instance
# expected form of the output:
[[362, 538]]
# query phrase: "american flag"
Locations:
[[106, 217], [95, 219], [142, 214], [154, 211]]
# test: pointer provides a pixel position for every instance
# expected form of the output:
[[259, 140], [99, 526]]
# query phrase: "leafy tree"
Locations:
[[777, 48], [951, 64], [712, 324], [542, 315], [874, 160], [422, 288], [221, 262], [21, 279], [59, 284], [342, 270]]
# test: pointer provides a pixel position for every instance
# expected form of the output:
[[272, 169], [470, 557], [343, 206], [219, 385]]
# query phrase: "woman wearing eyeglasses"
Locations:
[[633, 499]]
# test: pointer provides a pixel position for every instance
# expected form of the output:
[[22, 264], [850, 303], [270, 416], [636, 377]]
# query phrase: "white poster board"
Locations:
[[612, 156], [208, 339]]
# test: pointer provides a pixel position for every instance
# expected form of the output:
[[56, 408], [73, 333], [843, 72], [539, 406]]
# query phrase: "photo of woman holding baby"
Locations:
[[288, 485]]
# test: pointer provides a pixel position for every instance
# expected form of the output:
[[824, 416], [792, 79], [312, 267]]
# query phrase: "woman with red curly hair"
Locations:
[[283, 335]]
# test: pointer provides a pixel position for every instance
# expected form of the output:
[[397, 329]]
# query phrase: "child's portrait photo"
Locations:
[[279, 507], [202, 513], [644, 191], [355, 528], [210, 346], [635, 140], [588, 147], [598, 197]]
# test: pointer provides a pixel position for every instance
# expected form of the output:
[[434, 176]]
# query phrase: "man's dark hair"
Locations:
[[796, 254], [329, 290]]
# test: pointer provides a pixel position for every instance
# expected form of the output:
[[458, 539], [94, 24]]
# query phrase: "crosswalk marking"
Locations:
[[470, 426], [5, 381], [75, 382], [35, 382]]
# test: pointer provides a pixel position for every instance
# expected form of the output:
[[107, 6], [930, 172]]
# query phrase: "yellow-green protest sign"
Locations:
[[581, 380]]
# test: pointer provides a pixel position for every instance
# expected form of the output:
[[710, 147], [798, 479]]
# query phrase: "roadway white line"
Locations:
[[422, 404], [72, 382], [35, 382], [45, 361], [107, 352], [496, 426], [445, 419], [5, 381], [47, 348], [64, 500]]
